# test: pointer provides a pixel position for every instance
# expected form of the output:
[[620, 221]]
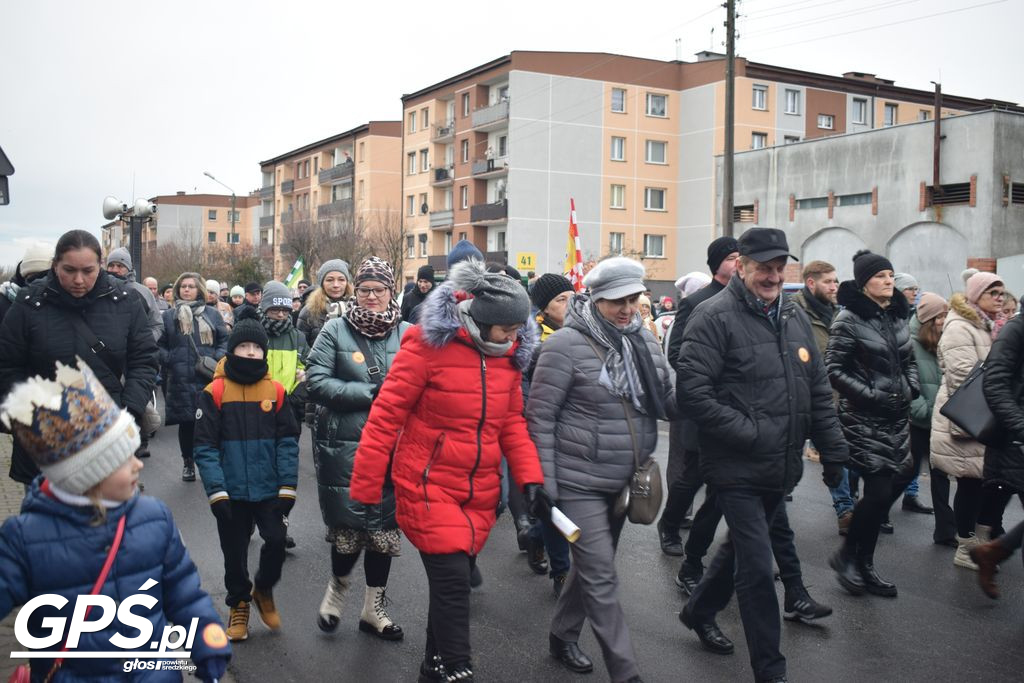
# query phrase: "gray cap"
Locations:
[[497, 298], [120, 255], [275, 295], [615, 278], [905, 281], [335, 265]]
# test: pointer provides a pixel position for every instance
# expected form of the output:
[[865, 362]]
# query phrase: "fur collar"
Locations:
[[439, 322], [851, 297], [959, 305]]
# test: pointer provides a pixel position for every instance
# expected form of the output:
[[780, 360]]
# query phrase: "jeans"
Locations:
[[842, 501], [234, 536]]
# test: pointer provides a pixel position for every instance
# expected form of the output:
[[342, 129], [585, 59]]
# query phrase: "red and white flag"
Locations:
[[573, 252]]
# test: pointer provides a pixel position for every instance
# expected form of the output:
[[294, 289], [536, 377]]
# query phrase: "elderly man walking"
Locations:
[[751, 376]]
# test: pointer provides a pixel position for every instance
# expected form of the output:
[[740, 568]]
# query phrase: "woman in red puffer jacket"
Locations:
[[450, 408]]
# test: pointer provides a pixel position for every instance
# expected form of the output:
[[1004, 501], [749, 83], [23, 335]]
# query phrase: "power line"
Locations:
[[844, 14]]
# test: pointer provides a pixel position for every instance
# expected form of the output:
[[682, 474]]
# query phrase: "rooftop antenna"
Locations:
[[679, 49], [711, 44]]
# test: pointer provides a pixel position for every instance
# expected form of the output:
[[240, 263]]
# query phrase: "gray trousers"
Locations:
[[591, 589]]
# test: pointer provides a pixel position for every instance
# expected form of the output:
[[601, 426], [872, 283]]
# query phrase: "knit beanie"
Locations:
[[615, 278], [978, 283], [497, 298], [378, 270], [237, 291], [904, 281], [70, 427], [464, 249], [547, 287], [275, 295], [719, 249], [212, 287], [425, 273], [691, 282], [931, 306], [966, 274], [37, 259], [120, 255], [248, 328], [866, 265], [335, 265]]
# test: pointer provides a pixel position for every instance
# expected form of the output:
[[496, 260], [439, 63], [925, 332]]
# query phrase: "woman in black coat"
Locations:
[[871, 365], [53, 319], [191, 329]]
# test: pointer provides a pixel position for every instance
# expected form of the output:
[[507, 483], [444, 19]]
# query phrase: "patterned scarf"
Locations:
[[373, 324], [187, 313], [275, 328]]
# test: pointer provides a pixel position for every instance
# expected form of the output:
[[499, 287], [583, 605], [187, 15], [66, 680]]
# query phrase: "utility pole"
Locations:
[[730, 116], [936, 145]]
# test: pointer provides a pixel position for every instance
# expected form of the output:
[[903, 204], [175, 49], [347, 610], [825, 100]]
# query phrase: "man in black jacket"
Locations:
[[751, 377]]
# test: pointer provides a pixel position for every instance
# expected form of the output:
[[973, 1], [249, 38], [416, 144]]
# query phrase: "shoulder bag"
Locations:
[[967, 409], [205, 366]]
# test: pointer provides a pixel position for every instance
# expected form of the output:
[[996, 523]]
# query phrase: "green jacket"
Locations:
[[818, 326], [930, 377], [339, 383], [286, 353]]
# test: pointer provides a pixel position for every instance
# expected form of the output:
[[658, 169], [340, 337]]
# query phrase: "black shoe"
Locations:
[[188, 472], [536, 559], [143, 450], [914, 504], [800, 606], [847, 573], [873, 583], [570, 655], [689, 576], [431, 670], [711, 637], [671, 542], [289, 542], [686, 523], [774, 679], [476, 579], [886, 527], [788, 498], [523, 532], [558, 583]]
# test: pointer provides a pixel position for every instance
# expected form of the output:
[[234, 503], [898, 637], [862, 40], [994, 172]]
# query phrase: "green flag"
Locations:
[[298, 273]]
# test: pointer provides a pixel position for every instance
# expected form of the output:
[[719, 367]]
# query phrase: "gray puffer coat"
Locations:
[[580, 428]]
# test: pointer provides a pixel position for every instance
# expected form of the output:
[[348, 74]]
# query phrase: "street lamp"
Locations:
[[141, 212], [233, 212]]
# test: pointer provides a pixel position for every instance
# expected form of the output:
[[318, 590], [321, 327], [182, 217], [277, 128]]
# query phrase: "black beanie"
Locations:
[[718, 250], [547, 287], [866, 265], [425, 273], [248, 328]]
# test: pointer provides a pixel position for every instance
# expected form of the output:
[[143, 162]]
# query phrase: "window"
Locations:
[[826, 121], [448, 200], [423, 245], [463, 235], [465, 105], [410, 246], [465, 151], [924, 115], [410, 205], [412, 163], [502, 146], [425, 118], [758, 140], [615, 242], [447, 243], [362, 152], [305, 165], [211, 215], [464, 196], [657, 105], [890, 115], [233, 239], [760, 96], [792, 101], [656, 152], [234, 217], [503, 93], [743, 213], [424, 160], [619, 100], [654, 246], [424, 207], [618, 197], [618, 149], [412, 122], [654, 198], [211, 237], [499, 241], [340, 192], [787, 140], [316, 165], [362, 190], [860, 110]]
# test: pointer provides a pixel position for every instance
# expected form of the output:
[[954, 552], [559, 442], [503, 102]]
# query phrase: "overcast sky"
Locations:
[[137, 99]]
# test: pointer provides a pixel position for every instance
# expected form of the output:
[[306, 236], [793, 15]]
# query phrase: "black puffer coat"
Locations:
[[870, 363], [1004, 379], [38, 331], [756, 390]]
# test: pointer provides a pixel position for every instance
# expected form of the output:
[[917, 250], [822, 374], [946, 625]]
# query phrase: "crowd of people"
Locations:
[[434, 407]]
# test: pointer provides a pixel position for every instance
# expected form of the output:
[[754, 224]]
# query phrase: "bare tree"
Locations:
[[172, 258], [385, 230], [7, 272]]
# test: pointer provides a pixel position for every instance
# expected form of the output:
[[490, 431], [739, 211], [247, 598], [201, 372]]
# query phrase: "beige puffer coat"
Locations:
[[966, 339]]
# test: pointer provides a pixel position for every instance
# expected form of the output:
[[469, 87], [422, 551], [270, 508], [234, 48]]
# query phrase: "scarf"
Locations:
[[373, 324], [993, 325], [187, 313], [245, 370], [487, 348], [628, 370], [821, 311], [275, 328], [75, 500]]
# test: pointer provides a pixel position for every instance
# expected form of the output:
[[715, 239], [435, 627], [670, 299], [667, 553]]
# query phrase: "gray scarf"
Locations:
[[189, 311], [619, 374], [486, 347]]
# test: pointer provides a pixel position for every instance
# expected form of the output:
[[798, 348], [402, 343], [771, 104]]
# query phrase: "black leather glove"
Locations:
[[212, 668], [538, 500], [832, 474], [222, 510]]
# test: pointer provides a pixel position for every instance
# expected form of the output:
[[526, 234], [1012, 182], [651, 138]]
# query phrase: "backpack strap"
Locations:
[[217, 390]]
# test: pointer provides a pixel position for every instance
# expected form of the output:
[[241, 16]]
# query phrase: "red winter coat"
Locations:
[[447, 413]]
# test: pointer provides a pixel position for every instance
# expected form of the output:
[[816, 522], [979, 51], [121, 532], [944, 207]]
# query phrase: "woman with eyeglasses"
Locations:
[[344, 372], [974, 320]]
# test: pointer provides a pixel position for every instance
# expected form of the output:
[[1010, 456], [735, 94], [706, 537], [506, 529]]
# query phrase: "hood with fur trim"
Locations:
[[439, 321], [959, 304], [850, 296]]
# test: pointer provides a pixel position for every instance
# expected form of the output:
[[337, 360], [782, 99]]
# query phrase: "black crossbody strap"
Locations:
[[375, 371], [95, 344]]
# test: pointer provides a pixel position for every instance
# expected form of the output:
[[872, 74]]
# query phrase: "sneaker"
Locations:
[[188, 472], [689, 576], [558, 583], [264, 600], [886, 527], [800, 606], [238, 622]]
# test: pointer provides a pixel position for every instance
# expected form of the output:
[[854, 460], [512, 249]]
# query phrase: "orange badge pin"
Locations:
[[214, 636], [266, 405], [358, 357], [804, 354]]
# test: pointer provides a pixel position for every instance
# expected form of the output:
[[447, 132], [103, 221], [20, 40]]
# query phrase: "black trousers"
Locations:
[[920, 449], [967, 505], [234, 543], [376, 566], [186, 437], [448, 613], [685, 482], [881, 490]]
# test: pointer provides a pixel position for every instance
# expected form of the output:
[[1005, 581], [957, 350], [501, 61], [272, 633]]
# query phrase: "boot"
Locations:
[[264, 600], [330, 607], [847, 572], [535, 557], [238, 622], [987, 557], [188, 472], [431, 670], [375, 619], [983, 533], [523, 532], [874, 583], [962, 558]]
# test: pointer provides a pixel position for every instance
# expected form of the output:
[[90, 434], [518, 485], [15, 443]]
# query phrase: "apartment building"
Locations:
[[352, 176], [494, 154]]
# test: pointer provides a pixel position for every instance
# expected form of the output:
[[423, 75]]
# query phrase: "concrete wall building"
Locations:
[[874, 190]]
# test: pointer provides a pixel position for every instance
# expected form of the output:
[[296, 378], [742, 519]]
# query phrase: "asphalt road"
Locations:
[[940, 628]]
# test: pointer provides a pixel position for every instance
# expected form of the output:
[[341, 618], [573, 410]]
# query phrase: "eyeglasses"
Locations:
[[365, 292], [996, 294]]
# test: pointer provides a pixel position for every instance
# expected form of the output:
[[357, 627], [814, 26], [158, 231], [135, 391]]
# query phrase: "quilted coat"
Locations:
[[1004, 380], [965, 340], [52, 547], [928, 376], [342, 389], [870, 363], [442, 421], [179, 361]]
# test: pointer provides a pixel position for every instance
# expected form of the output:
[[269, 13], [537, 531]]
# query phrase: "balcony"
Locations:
[[443, 176], [267, 192], [491, 118], [498, 167], [442, 220], [335, 208], [496, 256], [340, 172], [267, 221], [445, 133], [489, 213], [287, 187], [438, 263]]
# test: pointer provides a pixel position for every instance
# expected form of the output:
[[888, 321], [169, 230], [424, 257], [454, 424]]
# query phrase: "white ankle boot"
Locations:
[[962, 558], [983, 533], [330, 607], [375, 619]]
